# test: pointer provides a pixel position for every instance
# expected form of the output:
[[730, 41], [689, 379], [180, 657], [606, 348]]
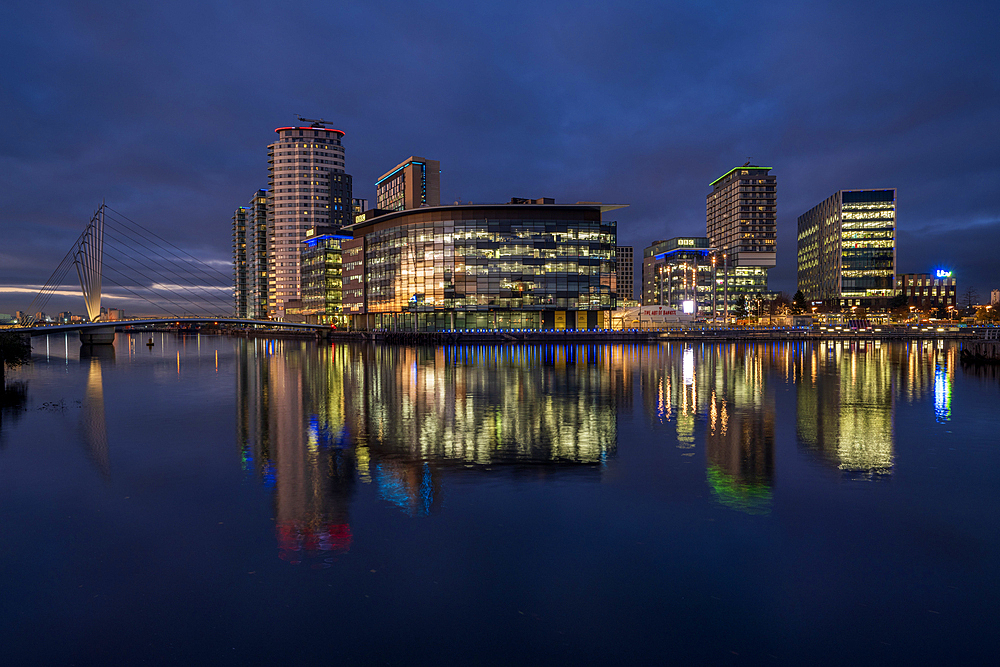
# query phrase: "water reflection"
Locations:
[[923, 367], [286, 442], [942, 393], [550, 481], [723, 395], [473, 406], [845, 406], [93, 424], [315, 423], [847, 393], [739, 440], [13, 398]]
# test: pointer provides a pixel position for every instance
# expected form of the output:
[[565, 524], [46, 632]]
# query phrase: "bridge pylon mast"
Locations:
[[89, 260]]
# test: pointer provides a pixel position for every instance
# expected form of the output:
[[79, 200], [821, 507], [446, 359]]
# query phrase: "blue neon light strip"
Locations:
[[703, 251], [312, 241], [390, 175]]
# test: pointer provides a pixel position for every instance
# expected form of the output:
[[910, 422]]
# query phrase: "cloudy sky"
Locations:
[[165, 110]]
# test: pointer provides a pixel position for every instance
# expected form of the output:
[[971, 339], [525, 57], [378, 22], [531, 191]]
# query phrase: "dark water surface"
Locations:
[[220, 501]]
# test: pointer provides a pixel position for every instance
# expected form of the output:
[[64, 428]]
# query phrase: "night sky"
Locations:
[[165, 111]]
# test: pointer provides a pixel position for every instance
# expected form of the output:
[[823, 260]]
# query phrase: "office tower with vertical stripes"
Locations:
[[847, 249]]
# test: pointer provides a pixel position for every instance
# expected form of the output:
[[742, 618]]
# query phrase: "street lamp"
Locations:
[[715, 289]]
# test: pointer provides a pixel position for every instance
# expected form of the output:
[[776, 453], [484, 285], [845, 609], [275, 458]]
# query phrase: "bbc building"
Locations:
[[530, 264]]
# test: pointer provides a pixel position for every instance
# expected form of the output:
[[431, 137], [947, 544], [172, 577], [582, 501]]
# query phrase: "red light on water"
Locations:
[[298, 541]]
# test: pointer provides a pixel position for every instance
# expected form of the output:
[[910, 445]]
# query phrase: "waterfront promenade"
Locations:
[[706, 334]]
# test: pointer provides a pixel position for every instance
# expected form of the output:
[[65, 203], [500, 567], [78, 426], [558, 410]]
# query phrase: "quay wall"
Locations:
[[573, 337], [973, 339], [981, 351]]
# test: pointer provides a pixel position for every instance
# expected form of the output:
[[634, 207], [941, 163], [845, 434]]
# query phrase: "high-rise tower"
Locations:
[[250, 258], [741, 223], [741, 216], [256, 255], [240, 262], [308, 187]]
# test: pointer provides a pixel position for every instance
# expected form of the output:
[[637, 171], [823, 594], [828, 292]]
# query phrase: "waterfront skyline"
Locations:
[[638, 104]]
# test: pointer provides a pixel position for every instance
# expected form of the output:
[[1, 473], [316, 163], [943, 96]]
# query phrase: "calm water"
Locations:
[[215, 500]]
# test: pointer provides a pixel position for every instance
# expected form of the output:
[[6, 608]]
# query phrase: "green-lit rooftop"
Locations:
[[735, 168]]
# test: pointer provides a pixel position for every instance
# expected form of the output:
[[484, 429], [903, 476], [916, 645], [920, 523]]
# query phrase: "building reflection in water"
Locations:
[[944, 374], [285, 439], [723, 392], [486, 405], [13, 399], [845, 405], [739, 438], [313, 422], [926, 369], [93, 423], [847, 392]]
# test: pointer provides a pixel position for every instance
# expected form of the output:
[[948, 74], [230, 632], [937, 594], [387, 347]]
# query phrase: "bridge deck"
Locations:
[[46, 329]]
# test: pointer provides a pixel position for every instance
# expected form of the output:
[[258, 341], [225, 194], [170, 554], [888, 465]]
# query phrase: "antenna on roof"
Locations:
[[315, 122], [746, 165]]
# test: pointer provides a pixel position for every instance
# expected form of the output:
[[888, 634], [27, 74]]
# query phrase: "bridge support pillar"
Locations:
[[98, 336]]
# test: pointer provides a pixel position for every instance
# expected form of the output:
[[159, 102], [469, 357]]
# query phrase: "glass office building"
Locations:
[[847, 248], [322, 279], [502, 266], [689, 270], [680, 271]]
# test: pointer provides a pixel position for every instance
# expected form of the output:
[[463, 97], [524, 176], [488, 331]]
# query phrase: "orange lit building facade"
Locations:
[[501, 266]]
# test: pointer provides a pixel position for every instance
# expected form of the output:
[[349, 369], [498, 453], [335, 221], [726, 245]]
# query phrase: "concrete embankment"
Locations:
[[590, 337], [290, 334]]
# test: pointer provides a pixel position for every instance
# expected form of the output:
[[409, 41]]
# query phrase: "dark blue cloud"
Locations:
[[165, 110]]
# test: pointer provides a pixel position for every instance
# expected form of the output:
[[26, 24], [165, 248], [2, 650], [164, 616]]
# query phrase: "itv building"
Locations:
[[529, 264]]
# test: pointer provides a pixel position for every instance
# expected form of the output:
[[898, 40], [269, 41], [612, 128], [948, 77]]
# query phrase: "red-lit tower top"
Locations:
[[322, 129]]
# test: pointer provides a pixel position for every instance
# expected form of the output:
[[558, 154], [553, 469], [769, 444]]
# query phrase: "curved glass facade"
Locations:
[[504, 266]]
